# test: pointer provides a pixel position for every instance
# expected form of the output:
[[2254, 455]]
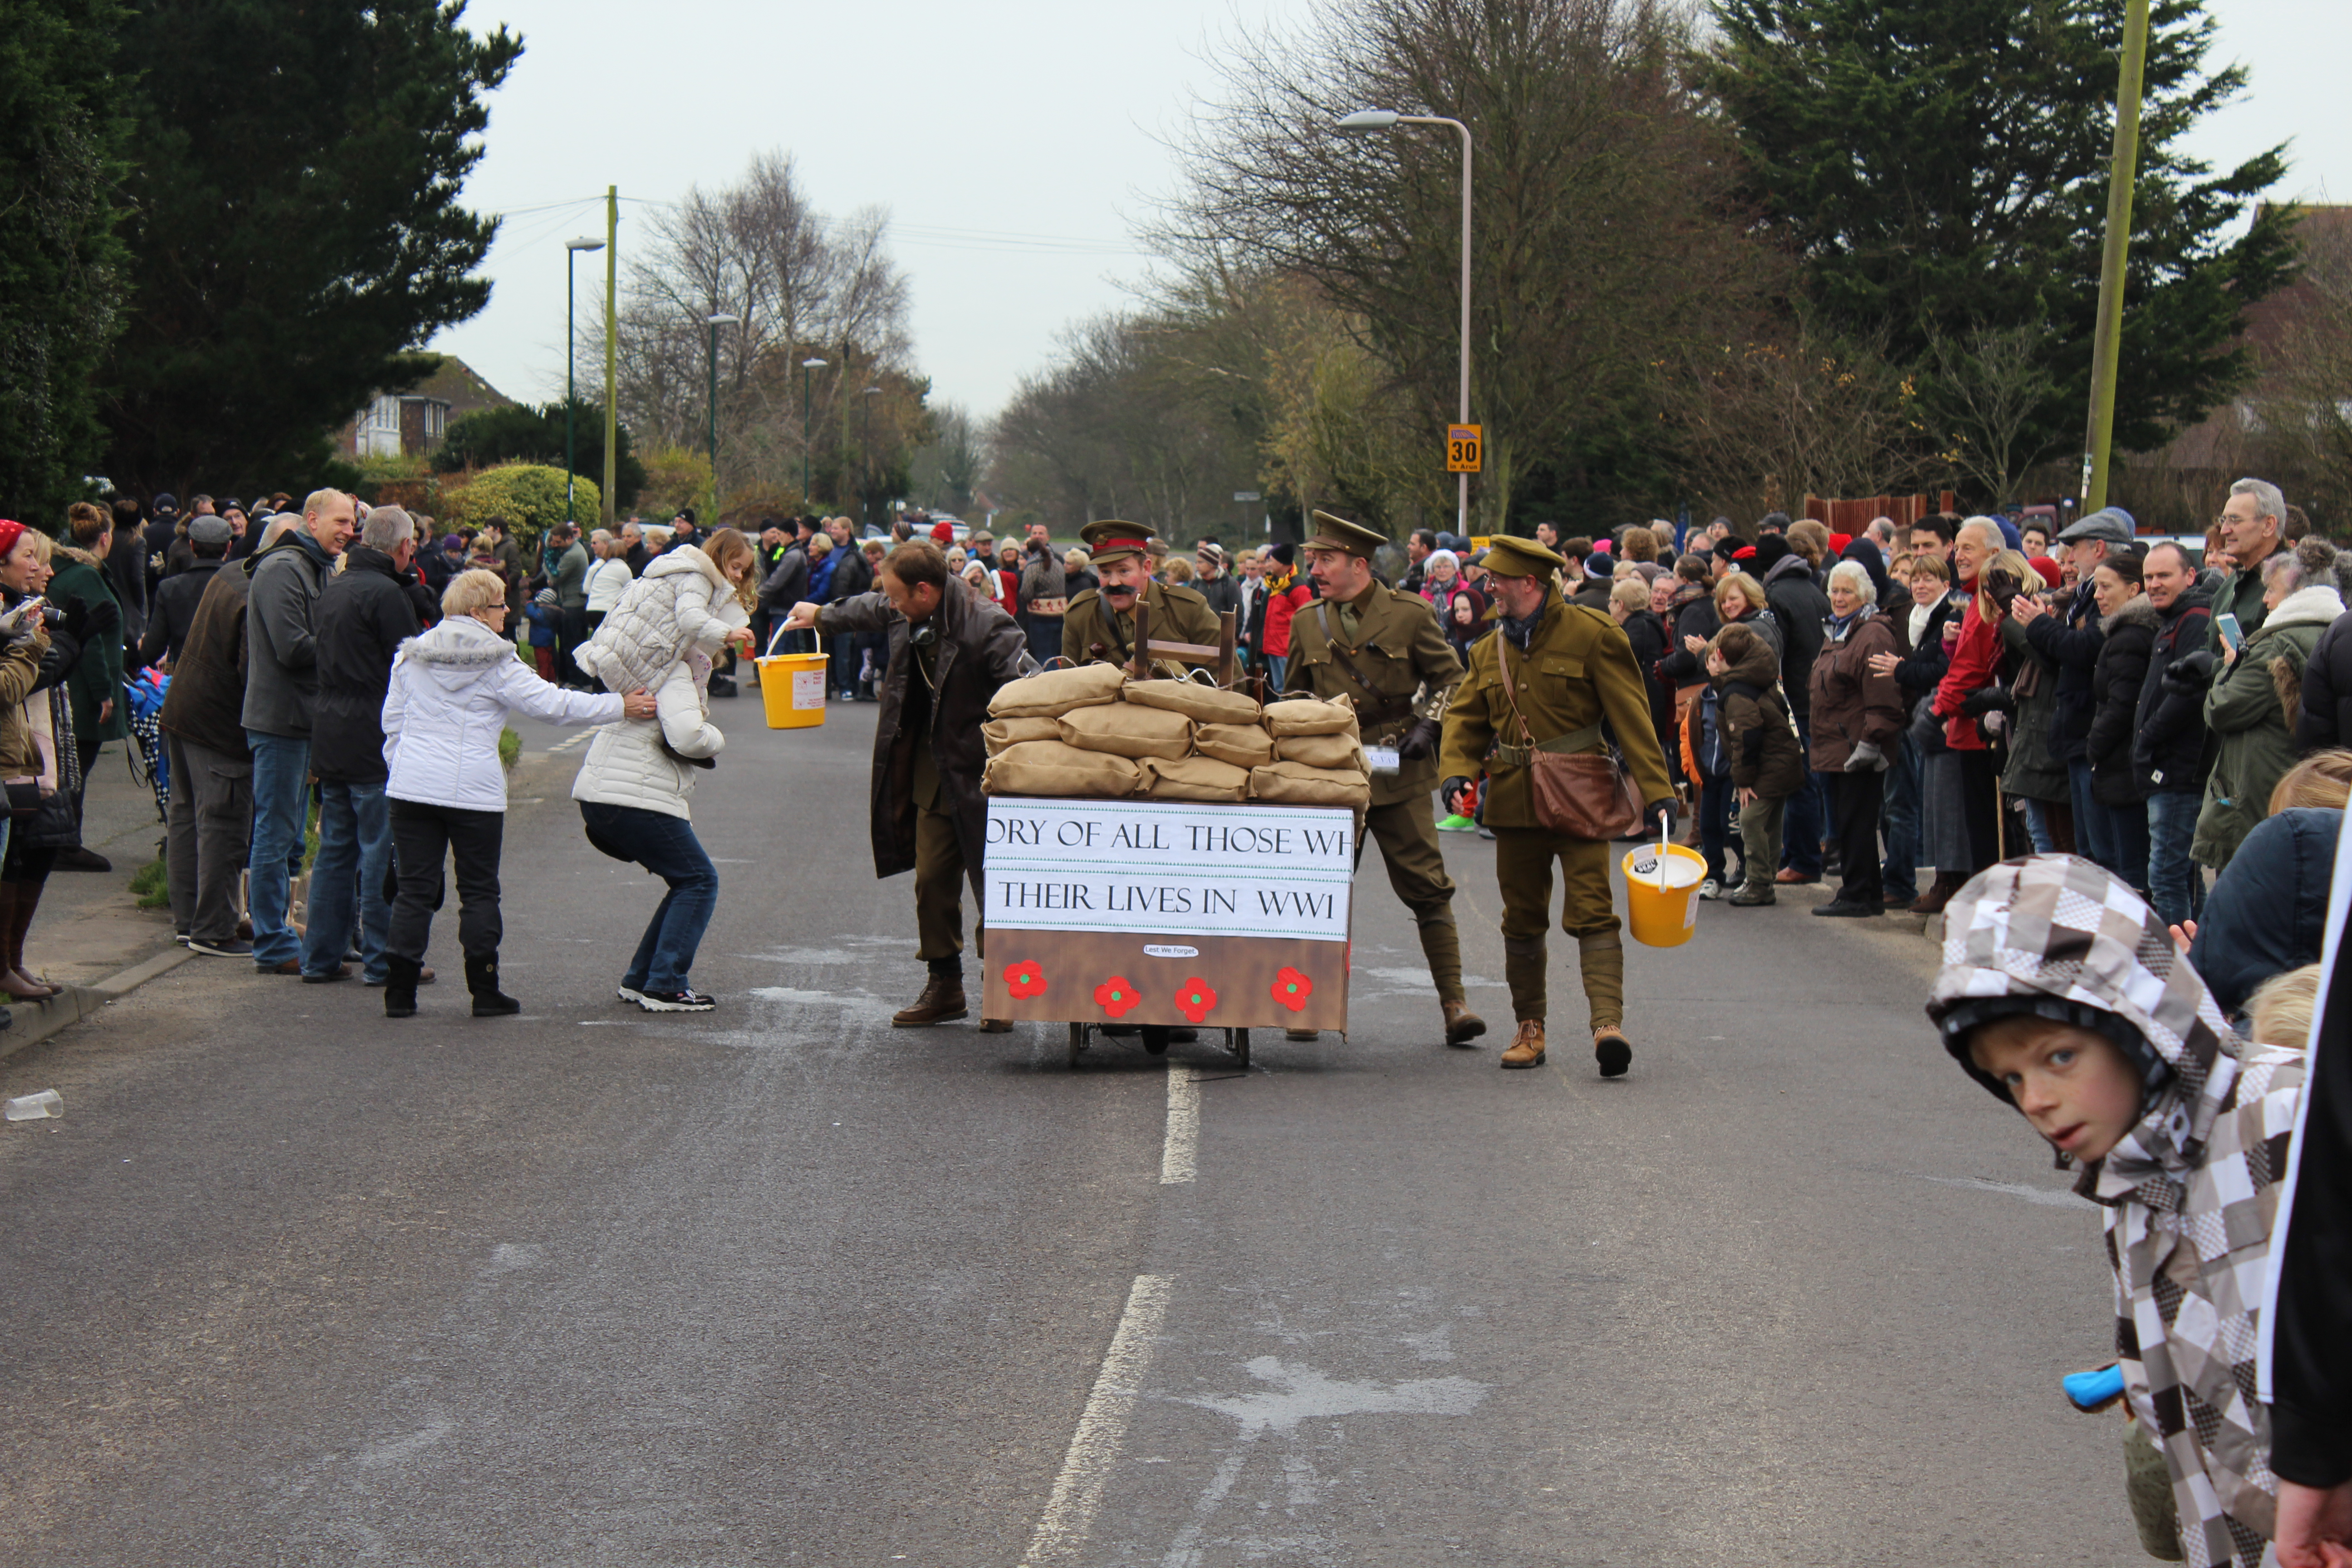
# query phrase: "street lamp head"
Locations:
[[812, 365], [583, 245], [873, 392], [1370, 120], [722, 319]]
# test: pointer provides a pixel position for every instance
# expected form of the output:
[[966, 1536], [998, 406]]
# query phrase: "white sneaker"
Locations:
[[1710, 888], [629, 994]]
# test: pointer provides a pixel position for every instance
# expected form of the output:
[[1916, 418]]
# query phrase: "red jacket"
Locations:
[[1974, 661], [1279, 608]]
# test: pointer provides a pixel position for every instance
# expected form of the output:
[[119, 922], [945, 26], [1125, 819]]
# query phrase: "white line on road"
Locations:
[[1183, 1126], [1085, 1469]]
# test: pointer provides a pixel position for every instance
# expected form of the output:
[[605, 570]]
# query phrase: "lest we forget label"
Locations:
[[1169, 866]]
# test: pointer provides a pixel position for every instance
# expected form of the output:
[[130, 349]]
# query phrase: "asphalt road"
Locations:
[[291, 1283]]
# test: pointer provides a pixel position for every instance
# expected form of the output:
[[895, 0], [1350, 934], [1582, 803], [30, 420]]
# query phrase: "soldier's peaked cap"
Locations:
[[1107, 539], [1511, 556], [1338, 533]]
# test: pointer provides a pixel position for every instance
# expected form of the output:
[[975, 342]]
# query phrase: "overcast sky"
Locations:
[[1015, 145]]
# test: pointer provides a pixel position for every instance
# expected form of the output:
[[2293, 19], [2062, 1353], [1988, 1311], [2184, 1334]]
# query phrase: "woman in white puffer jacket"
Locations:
[[679, 606], [451, 692]]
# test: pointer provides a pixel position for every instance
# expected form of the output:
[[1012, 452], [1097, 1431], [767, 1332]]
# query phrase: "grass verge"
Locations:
[[509, 749], [152, 887]]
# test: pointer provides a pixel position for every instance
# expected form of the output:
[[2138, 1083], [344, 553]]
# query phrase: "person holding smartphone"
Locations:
[[2257, 677]]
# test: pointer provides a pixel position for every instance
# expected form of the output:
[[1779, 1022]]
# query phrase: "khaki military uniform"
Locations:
[[1577, 671], [1092, 634], [1400, 670]]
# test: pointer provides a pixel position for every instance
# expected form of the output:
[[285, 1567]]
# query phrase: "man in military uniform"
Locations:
[[1571, 673], [1100, 625], [1385, 651]]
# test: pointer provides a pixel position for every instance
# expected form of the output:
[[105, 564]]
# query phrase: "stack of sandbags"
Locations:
[[1319, 755], [1028, 752], [1213, 716]]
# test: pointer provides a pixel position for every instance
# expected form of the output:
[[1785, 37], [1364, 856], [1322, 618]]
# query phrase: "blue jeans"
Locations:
[[1902, 869], [2095, 825], [2037, 825], [2174, 884], [1276, 663], [1807, 818], [354, 845], [666, 846], [1714, 822], [281, 788]]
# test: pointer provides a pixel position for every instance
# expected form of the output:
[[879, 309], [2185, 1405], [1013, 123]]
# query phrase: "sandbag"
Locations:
[[1193, 778], [1056, 691], [1295, 784], [1051, 768], [1310, 716], [1000, 733], [1244, 745], [1126, 731], [1323, 751], [1202, 704]]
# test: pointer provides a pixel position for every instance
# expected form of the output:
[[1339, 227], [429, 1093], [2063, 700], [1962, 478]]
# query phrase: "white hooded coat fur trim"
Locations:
[[451, 692]]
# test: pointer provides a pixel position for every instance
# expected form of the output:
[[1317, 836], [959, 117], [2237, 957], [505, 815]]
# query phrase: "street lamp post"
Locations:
[[867, 440], [1386, 119], [571, 248], [716, 320], [807, 433]]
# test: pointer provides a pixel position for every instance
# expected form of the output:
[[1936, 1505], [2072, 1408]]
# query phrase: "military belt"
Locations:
[[1585, 739]]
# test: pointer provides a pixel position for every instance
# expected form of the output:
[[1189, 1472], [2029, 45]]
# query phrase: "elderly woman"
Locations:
[[451, 690], [608, 576], [1858, 721], [2255, 699], [1439, 574]]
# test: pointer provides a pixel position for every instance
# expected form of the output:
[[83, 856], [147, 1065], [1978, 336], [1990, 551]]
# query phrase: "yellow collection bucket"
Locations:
[[1661, 893], [792, 688]]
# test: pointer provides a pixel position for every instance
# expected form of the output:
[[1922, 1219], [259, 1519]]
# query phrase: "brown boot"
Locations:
[[1527, 1049], [996, 1026], [940, 1003], [18, 900], [1939, 893], [1462, 1026], [1614, 1051]]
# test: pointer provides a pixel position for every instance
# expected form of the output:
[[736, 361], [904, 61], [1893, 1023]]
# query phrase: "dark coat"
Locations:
[[788, 584], [207, 702], [1873, 561], [1802, 608], [2070, 643], [1921, 669], [97, 678], [1697, 619], [2126, 641], [979, 650], [2268, 911], [1222, 592], [2168, 751], [174, 610], [1850, 703], [365, 615], [850, 578], [1765, 756], [1646, 630], [2327, 717]]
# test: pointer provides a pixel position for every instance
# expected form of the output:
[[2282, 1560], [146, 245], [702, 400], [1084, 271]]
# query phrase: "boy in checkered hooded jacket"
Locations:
[[2063, 994]]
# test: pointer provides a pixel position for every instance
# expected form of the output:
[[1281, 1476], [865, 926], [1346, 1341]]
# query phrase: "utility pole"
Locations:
[[612, 329], [2106, 345]]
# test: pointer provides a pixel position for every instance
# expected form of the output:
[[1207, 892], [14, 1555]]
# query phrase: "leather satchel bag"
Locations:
[[1583, 787]]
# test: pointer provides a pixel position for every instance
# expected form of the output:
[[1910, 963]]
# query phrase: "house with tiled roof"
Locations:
[[411, 424]]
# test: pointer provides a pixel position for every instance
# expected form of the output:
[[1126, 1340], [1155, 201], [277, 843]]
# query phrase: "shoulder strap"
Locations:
[[1574, 741]]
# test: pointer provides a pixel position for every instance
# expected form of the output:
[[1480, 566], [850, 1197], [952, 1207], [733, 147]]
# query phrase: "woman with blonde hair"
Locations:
[[37, 755], [1740, 598]]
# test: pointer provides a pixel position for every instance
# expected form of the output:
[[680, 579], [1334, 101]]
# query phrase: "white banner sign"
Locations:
[[1171, 867]]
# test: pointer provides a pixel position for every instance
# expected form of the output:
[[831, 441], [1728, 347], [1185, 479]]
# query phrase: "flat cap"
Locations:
[[1107, 539], [1338, 533], [210, 530], [1511, 556], [2111, 524]]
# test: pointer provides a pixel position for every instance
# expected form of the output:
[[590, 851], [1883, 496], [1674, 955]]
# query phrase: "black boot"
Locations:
[[400, 986], [482, 980]]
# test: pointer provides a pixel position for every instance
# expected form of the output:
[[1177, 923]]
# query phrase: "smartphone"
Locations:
[[2231, 634]]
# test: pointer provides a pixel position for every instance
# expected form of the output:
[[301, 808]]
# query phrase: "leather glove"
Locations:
[[1454, 791], [1653, 812], [1865, 757], [1988, 699], [1420, 740], [2194, 673]]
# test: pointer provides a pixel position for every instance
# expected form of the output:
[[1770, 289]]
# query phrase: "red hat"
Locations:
[[2047, 567], [944, 532], [1838, 541], [1745, 552], [11, 531]]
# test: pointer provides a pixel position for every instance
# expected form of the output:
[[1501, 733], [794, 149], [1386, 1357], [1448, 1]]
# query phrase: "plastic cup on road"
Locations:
[[33, 1107]]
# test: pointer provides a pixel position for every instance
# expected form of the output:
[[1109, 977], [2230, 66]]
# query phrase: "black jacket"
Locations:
[[2071, 643], [788, 584], [1697, 619], [365, 615], [2311, 1436], [1646, 630], [2326, 718], [1223, 594], [851, 578], [1802, 608], [2168, 752], [2268, 911], [174, 610], [2117, 677]]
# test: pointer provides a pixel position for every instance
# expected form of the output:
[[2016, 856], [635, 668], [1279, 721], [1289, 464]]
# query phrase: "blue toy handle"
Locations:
[[2094, 1390]]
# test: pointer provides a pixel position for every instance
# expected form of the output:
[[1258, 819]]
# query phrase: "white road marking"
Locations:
[[1183, 1126], [2049, 1197], [1094, 1446]]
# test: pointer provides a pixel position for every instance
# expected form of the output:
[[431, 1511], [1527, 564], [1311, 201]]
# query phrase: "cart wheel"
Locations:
[[1078, 1042], [1155, 1039], [1238, 1043]]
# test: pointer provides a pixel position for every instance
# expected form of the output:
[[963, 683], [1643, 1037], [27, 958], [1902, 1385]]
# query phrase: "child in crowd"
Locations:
[[2063, 994], [544, 616], [1767, 765], [2279, 1013]]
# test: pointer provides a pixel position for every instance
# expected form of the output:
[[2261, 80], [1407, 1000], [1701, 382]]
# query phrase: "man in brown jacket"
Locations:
[[1571, 677], [1385, 652], [950, 651]]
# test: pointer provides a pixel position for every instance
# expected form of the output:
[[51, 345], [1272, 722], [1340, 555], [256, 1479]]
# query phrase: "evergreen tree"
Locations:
[[1939, 168], [296, 228], [523, 434], [61, 261]]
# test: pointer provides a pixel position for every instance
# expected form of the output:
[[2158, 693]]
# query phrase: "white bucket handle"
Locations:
[[817, 636]]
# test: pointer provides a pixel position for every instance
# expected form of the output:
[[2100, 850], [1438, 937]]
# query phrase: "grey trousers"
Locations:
[[208, 830], [1759, 840]]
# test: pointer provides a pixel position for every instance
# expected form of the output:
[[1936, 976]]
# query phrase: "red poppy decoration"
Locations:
[[1118, 997], [1292, 989], [1195, 1000], [1024, 980]]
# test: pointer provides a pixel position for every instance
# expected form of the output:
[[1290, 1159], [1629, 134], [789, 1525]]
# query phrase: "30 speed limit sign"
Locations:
[[1465, 445]]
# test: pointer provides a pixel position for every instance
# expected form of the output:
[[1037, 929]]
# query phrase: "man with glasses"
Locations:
[[2253, 525]]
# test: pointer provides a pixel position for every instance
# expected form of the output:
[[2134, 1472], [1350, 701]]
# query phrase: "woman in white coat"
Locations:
[[632, 791], [451, 692]]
